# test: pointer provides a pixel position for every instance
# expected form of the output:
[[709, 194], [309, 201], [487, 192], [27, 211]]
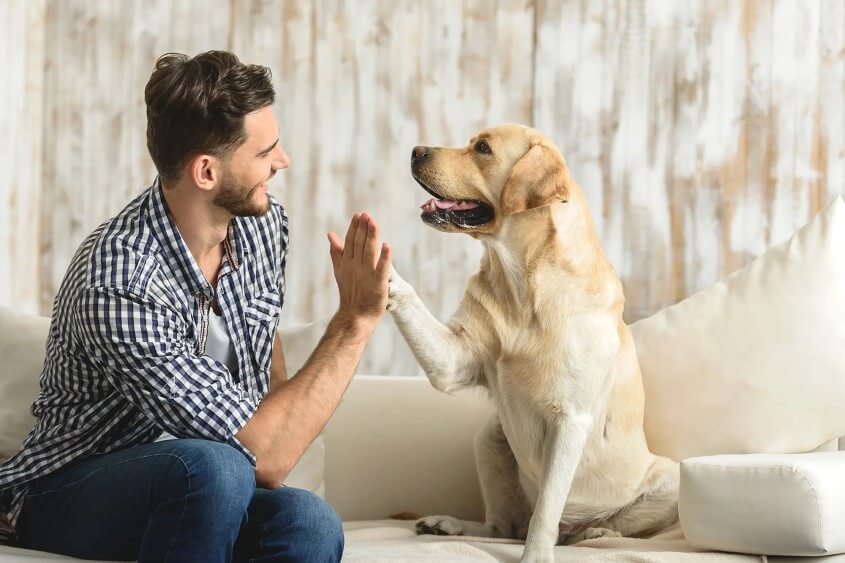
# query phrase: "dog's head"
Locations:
[[502, 171]]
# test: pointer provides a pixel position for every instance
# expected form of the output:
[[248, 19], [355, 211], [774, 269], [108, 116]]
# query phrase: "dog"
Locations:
[[540, 327]]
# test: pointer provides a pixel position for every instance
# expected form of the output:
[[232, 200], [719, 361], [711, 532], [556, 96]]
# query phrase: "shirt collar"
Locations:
[[187, 271]]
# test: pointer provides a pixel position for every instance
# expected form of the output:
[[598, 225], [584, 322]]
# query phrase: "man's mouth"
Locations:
[[467, 213]]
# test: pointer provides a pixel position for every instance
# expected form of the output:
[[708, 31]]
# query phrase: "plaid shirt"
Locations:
[[125, 353]]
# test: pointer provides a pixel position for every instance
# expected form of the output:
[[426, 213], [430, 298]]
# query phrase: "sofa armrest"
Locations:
[[395, 444]]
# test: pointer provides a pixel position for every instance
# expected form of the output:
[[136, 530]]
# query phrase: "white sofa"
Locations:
[[754, 365], [396, 445]]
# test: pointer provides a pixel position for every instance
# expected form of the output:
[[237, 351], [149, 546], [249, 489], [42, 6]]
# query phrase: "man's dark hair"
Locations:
[[197, 106]]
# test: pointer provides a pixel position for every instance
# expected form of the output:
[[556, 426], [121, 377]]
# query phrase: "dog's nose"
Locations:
[[419, 153]]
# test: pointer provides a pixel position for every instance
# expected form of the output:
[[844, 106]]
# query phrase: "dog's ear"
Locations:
[[539, 178]]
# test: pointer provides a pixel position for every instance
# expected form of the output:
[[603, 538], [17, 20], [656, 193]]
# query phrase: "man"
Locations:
[[165, 327]]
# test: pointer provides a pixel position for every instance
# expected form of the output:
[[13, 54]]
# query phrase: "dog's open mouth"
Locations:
[[463, 212]]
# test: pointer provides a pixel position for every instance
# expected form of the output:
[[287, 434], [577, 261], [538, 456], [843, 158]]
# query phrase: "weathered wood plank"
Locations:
[[718, 131], [21, 101], [99, 57], [702, 131], [359, 84]]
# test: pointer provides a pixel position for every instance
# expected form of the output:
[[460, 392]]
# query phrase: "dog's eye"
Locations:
[[482, 147]]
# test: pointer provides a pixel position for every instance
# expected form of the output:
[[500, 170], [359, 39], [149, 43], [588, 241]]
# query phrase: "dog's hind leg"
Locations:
[[656, 507], [505, 505]]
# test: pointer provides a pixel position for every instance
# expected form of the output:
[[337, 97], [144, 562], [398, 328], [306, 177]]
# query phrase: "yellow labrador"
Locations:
[[540, 327]]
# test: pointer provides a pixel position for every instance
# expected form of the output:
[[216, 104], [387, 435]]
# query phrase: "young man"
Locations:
[[165, 327]]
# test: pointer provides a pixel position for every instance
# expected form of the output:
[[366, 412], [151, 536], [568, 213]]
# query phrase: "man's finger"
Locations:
[[361, 236], [372, 245], [384, 262], [335, 250], [349, 247]]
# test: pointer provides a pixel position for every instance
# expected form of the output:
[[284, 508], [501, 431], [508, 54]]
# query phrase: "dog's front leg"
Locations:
[[442, 353], [562, 447]]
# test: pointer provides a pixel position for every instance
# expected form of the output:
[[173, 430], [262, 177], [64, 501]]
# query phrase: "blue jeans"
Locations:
[[178, 500]]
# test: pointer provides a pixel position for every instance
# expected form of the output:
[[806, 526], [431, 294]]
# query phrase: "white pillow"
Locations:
[[757, 362], [22, 348], [776, 504]]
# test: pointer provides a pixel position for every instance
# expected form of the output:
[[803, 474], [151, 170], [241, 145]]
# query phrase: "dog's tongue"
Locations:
[[448, 204]]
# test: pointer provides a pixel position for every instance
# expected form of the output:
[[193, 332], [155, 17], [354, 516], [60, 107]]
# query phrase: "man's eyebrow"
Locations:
[[268, 149]]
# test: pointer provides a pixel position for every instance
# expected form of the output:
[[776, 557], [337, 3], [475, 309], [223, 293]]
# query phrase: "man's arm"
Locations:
[[292, 414]]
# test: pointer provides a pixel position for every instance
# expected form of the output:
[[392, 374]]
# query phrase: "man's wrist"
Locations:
[[351, 324]]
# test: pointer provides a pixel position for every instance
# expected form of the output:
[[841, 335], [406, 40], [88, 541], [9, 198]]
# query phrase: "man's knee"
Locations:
[[215, 473], [305, 515], [314, 510]]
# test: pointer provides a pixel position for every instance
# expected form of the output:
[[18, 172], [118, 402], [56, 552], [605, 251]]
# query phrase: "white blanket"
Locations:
[[392, 541]]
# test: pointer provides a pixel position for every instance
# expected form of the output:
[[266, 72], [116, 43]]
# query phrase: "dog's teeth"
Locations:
[[429, 206]]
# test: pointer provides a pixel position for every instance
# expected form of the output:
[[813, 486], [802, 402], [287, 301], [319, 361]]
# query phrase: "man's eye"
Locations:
[[483, 147]]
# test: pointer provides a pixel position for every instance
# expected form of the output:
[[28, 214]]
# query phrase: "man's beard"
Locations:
[[236, 198]]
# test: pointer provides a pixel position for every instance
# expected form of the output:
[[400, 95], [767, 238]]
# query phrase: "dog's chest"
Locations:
[[524, 428], [530, 360], [535, 374]]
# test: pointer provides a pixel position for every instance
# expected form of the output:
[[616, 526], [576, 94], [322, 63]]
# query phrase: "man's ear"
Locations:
[[204, 171], [539, 178]]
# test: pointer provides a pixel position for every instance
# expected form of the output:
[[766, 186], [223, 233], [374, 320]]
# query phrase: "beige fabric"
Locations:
[[782, 504], [755, 363], [395, 444], [22, 347], [387, 541], [16, 555], [392, 541]]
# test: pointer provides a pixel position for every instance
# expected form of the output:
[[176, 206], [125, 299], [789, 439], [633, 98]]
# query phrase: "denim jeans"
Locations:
[[178, 500]]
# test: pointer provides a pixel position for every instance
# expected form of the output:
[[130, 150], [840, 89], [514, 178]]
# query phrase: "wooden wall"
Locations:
[[702, 131]]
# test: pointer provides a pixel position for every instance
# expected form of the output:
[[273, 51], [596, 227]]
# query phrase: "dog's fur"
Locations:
[[540, 327]]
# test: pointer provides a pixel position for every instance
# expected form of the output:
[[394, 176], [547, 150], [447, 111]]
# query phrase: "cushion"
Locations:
[[756, 363], [384, 541], [774, 504], [22, 347]]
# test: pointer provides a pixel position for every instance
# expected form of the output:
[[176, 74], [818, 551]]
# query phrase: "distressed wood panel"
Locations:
[[359, 84], [22, 64], [702, 131], [99, 57]]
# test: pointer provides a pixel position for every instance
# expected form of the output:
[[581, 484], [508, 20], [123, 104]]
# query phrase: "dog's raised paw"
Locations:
[[397, 290], [440, 526]]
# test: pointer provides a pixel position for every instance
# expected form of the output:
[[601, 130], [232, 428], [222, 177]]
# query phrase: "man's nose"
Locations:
[[282, 159], [419, 153]]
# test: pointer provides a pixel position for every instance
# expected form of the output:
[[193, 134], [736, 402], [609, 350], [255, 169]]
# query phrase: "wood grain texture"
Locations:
[[21, 104], [702, 131]]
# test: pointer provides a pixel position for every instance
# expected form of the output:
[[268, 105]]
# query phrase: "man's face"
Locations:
[[246, 173]]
